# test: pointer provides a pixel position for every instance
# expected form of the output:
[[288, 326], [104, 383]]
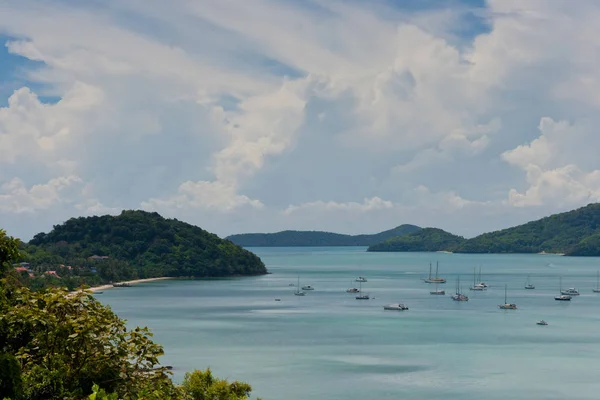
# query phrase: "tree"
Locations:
[[202, 385], [9, 251]]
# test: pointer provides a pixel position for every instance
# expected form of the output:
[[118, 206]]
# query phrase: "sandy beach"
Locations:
[[110, 286]]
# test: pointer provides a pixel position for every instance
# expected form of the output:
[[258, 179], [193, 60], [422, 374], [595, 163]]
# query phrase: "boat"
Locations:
[[477, 286], [458, 296], [437, 292], [437, 279], [541, 322], [481, 283], [562, 297], [597, 288], [528, 284], [395, 307], [277, 299], [121, 284], [570, 292], [362, 296], [352, 290], [361, 279], [506, 305], [299, 292], [307, 287]]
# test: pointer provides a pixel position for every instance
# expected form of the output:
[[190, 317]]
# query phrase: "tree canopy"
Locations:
[[426, 239]]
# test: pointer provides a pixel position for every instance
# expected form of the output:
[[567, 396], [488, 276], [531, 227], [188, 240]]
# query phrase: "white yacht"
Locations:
[[529, 285], [395, 307], [352, 290], [307, 287], [361, 279], [570, 292], [541, 322], [458, 296], [562, 296], [506, 305], [597, 288], [299, 292], [481, 286]]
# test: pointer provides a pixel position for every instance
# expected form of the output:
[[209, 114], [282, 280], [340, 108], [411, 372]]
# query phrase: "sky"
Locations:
[[264, 115]]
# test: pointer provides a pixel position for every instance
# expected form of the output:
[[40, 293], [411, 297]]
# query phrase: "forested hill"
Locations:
[[317, 238], [426, 239], [574, 233], [146, 242]]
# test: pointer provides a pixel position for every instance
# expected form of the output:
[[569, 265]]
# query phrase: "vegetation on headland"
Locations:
[[426, 239], [132, 245], [59, 346], [573, 233], [317, 238]]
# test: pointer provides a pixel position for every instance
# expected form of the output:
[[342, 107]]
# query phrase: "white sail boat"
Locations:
[[506, 305], [299, 292], [481, 283], [597, 288], [561, 297], [458, 296], [437, 279], [477, 286], [361, 296], [528, 284]]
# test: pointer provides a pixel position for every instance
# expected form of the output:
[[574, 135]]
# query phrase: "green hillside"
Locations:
[[141, 244], [572, 233], [426, 239], [316, 238]]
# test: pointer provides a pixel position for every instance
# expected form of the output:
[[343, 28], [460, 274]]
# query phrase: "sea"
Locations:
[[327, 345]]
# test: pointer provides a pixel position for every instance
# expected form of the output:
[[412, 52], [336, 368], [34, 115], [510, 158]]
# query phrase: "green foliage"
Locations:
[[202, 385], [317, 238], [427, 239], [65, 342], [9, 251], [139, 244], [10, 376]]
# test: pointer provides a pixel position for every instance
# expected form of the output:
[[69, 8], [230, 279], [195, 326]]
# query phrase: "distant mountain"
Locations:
[[426, 239], [316, 238], [573, 233]]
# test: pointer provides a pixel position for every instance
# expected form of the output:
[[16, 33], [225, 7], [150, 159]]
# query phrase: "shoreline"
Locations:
[[132, 282]]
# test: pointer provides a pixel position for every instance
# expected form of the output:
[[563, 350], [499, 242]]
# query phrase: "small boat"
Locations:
[[307, 287], [437, 279], [541, 322], [597, 288], [122, 284], [352, 290], [528, 284], [361, 279], [477, 286], [458, 296], [395, 307], [299, 292], [291, 285], [570, 292], [362, 296], [277, 299], [437, 292], [563, 297], [506, 305], [481, 283]]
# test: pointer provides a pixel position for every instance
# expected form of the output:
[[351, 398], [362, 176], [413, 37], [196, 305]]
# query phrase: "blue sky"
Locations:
[[347, 116]]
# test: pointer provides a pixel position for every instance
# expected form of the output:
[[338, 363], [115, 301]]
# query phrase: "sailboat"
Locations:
[[481, 283], [361, 296], [507, 306], [477, 286], [597, 288], [562, 297], [437, 292], [299, 292], [352, 289], [437, 279], [458, 296], [528, 285]]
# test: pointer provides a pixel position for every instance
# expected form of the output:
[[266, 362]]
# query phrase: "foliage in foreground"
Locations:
[[60, 345]]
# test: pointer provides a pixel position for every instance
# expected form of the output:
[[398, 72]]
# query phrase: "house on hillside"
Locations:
[[24, 269]]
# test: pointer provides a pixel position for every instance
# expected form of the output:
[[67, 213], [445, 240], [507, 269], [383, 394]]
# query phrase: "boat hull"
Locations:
[[395, 307]]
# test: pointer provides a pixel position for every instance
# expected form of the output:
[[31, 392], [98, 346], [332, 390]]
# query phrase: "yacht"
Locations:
[[506, 305], [481, 286], [437, 292], [481, 283], [458, 296], [395, 307], [361, 279], [362, 296], [597, 288], [435, 279], [307, 287], [352, 290], [299, 292], [541, 322], [528, 284], [562, 296], [570, 292]]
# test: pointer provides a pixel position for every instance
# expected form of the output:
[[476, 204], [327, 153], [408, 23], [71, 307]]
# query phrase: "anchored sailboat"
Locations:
[[361, 296], [506, 305], [458, 296], [528, 285], [437, 279], [299, 292], [561, 297], [477, 286], [597, 288]]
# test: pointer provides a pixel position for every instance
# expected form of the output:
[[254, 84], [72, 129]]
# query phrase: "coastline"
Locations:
[[133, 282]]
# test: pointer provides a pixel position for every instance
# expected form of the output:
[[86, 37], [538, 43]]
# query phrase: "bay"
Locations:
[[328, 345]]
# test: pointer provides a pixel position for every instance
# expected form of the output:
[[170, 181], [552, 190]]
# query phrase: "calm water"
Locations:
[[327, 345]]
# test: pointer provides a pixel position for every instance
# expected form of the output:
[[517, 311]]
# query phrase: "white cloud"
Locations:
[[16, 197], [372, 204]]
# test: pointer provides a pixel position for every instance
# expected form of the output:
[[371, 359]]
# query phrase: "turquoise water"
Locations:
[[327, 345]]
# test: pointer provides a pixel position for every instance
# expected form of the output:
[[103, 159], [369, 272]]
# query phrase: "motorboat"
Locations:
[[352, 290], [563, 297], [542, 322], [570, 292], [307, 287], [361, 279], [395, 307]]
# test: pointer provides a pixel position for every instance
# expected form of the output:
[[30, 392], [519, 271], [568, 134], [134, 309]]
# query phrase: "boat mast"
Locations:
[[505, 286], [429, 271], [437, 265]]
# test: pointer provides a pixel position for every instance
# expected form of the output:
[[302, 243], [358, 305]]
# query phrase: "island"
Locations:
[[317, 238], [133, 245], [572, 233]]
